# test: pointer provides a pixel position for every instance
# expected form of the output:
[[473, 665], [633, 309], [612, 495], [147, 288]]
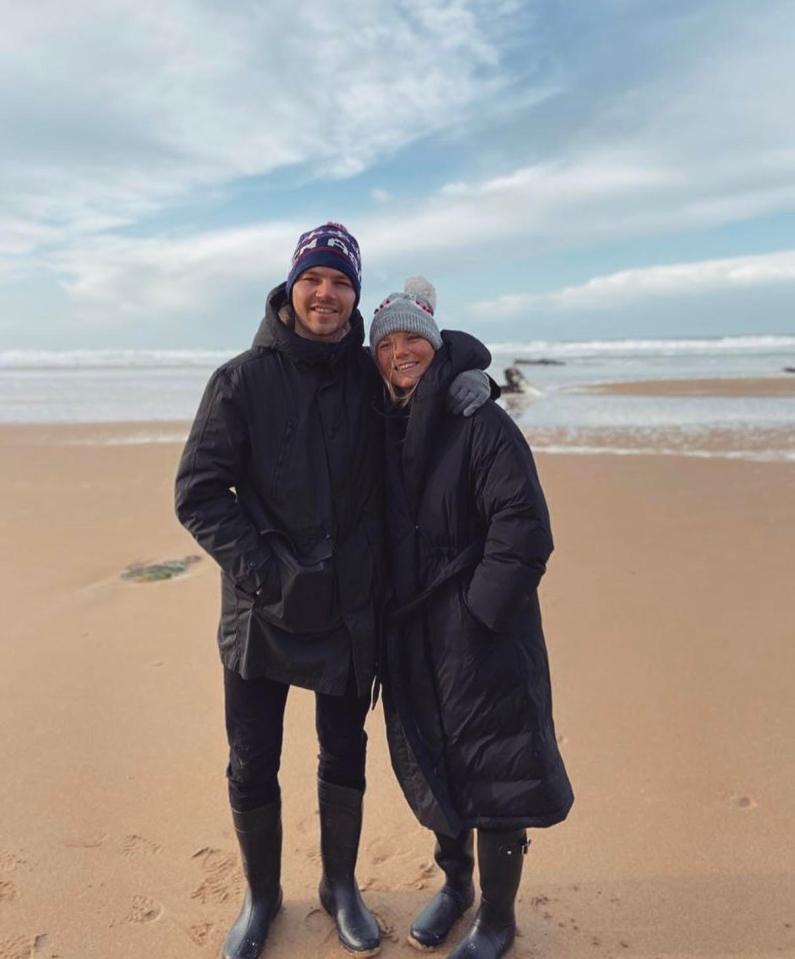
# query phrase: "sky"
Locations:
[[600, 169]]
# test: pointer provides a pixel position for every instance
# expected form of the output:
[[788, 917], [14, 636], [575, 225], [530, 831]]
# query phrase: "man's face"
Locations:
[[323, 301]]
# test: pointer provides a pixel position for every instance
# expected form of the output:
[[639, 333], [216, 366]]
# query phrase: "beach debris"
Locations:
[[144, 909], [153, 572], [515, 381], [541, 361]]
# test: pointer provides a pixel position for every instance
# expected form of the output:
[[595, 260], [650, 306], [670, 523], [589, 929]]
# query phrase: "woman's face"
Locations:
[[403, 358]]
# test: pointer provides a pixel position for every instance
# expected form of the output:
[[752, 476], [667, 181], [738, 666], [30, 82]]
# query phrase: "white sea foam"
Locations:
[[110, 359], [757, 456], [137, 359], [747, 345], [137, 439]]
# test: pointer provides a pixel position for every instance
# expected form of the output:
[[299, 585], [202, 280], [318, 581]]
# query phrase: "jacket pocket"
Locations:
[[470, 621], [307, 601], [228, 626]]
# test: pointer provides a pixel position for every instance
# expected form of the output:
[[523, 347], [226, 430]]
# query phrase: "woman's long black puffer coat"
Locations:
[[465, 673]]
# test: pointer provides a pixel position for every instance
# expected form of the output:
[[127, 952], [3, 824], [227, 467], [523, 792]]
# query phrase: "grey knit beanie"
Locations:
[[408, 312]]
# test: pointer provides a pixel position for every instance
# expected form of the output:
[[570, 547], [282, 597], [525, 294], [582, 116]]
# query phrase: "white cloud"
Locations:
[[171, 274], [533, 209], [677, 279], [113, 110], [129, 277], [564, 203]]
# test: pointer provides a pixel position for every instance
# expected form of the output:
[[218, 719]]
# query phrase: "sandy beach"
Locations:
[[668, 614], [719, 386]]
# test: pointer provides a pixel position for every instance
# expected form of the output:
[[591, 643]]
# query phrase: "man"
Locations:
[[280, 481]]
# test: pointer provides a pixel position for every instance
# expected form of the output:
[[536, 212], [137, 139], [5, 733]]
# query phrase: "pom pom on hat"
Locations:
[[408, 312], [423, 289]]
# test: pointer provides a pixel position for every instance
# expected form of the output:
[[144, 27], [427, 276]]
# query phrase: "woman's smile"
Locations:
[[403, 358]]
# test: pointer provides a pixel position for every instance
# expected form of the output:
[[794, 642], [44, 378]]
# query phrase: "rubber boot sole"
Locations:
[[423, 947], [358, 953]]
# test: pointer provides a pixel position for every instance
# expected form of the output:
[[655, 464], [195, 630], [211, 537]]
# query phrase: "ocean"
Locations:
[[160, 387]]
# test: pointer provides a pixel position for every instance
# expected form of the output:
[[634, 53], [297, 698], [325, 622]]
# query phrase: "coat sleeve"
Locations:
[[211, 467], [510, 502]]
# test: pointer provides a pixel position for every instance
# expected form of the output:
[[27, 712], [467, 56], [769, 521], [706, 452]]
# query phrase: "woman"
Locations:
[[465, 672]]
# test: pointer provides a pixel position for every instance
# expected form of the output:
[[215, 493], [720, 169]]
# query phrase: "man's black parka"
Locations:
[[466, 681], [280, 481]]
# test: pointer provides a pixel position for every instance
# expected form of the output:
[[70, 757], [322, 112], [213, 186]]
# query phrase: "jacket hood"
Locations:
[[459, 352], [276, 335]]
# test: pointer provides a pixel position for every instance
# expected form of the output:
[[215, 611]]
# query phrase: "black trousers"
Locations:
[[254, 728]]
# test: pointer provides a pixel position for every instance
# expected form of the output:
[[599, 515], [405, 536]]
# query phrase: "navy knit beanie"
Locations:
[[328, 245]]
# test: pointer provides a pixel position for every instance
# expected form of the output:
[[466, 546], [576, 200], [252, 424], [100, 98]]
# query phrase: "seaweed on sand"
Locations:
[[152, 572]]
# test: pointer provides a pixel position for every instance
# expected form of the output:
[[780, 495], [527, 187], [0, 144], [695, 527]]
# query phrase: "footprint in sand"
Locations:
[[199, 933], [386, 925], [10, 860], [139, 846], [8, 891], [144, 909], [22, 947], [742, 802], [317, 922], [87, 842], [380, 850], [426, 870], [223, 879]]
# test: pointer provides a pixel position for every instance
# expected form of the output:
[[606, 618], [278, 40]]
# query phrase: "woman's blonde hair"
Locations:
[[401, 400]]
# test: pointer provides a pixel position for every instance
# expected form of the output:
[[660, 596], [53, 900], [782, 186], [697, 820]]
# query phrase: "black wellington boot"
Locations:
[[500, 858], [433, 924], [340, 829], [259, 833]]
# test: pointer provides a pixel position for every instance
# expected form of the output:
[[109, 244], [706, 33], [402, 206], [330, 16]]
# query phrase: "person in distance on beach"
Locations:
[[466, 682], [281, 482]]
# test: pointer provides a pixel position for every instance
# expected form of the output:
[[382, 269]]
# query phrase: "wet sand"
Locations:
[[747, 386], [667, 609]]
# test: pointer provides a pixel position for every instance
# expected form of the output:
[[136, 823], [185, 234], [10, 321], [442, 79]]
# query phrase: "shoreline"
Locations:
[[772, 444], [717, 386]]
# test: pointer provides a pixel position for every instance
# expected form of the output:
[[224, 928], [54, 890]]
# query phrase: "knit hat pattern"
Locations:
[[330, 245], [408, 312]]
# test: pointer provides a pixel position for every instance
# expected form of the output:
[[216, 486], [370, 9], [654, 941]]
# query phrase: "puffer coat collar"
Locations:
[[459, 352]]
